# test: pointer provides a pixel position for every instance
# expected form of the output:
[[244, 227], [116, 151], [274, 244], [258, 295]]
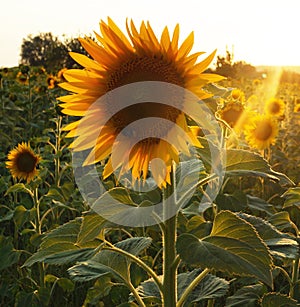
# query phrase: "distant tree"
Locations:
[[73, 44], [43, 50], [48, 51], [226, 67]]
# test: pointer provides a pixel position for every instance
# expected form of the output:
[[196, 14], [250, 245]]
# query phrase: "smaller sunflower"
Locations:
[[237, 94], [22, 162], [52, 82], [262, 132], [297, 108], [275, 107], [22, 78], [256, 82], [235, 114], [60, 75]]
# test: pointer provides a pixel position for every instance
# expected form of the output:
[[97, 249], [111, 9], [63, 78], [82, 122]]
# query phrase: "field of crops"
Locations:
[[233, 240]]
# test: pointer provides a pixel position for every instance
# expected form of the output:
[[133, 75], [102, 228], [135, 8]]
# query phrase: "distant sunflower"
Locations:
[[238, 94], [235, 114], [22, 162], [60, 74], [262, 132], [297, 108], [51, 81], [118, 61], [275, 107], [22, 77]]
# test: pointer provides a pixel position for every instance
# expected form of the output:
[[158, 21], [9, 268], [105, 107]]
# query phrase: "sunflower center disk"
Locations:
[[274, 108], [263, 131], [26, 162], [141, 69], [232, 116]]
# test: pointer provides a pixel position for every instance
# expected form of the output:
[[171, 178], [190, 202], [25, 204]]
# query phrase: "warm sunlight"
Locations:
[[258, 32]]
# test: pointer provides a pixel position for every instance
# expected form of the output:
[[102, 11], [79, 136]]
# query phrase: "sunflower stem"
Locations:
[[295, 277], [169, 249], [38, 229]]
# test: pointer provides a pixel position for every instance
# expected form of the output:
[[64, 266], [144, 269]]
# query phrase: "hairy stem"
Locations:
[[169, 248]]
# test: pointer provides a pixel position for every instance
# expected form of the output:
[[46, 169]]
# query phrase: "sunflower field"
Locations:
[[110, 198]]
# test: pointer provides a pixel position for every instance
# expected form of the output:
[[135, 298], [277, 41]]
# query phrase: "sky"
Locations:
[[259, 32]]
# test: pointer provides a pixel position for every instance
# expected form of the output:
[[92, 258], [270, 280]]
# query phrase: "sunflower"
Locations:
[[22, 162], [117, 61], [22, 77], [262, 132], [237, 94], [275, 107], [235, 114], [297, 108], [60, 74], [51, 81]]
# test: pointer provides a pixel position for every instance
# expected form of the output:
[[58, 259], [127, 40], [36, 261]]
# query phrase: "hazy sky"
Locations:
[[262, 32]]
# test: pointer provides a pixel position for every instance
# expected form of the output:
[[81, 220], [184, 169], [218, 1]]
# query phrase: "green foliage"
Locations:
[[48, 51], [233, 246], [56, 251]]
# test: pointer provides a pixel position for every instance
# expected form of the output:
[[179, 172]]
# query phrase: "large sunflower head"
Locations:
[[22, 162], [118, 60], [262, 132], [275, 107]]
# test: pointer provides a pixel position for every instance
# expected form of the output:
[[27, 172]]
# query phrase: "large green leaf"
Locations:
[[282, 245], [60, 246], [242, 162], [278, 300], [109, 261], [233, 247], [209, 287], [247, 296]]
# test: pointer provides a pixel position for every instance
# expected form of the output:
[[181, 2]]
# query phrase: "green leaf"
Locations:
[[233, 202], [18, 187], [233, 247], [257, 204], [198, 226], [210, 287], [281, 220], [292, 197], [282, 245], [60, 246], [100, 289], [278, 300], [91, 227], [242, 162], [247, 296], [21, 215], [89, 270], [108, 205], [110, 262], [8, 255], [66, 284], [188, 174]]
